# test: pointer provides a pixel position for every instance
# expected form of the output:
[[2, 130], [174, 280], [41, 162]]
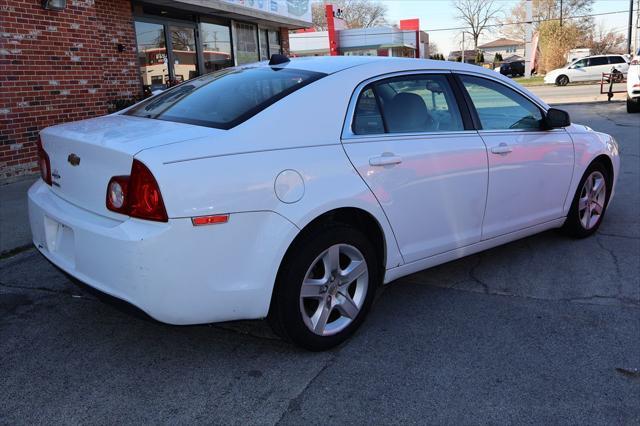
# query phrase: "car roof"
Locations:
[[332, 64]]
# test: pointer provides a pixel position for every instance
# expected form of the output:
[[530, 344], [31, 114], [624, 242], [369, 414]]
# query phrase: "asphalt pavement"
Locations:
[[541, 330]]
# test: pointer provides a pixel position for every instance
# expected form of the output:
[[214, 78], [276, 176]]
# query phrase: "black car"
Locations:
[[514, 68]]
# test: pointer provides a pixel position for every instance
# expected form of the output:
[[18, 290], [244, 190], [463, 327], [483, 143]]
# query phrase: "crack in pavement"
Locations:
[[474, 276], [295, 402], [618, 236], [613, 256], [45, 289]]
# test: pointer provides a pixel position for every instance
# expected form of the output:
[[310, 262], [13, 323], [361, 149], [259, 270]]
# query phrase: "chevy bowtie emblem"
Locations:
[[73, 159]]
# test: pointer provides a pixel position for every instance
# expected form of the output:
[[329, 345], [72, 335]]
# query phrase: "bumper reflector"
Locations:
[[210, 220]]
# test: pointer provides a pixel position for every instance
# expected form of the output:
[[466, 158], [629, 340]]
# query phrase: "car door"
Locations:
[[597, 66], [415, 148], [578, 71], [530, 168]]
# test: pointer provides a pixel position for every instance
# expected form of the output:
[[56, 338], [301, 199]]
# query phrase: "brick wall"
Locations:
[[284, 41], [57, 67]]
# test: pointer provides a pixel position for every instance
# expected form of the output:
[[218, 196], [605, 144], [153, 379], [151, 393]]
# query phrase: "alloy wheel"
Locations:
[[334, 289], [592, 200]]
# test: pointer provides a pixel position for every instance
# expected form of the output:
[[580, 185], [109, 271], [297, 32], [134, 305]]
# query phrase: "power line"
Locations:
[[503, 24]]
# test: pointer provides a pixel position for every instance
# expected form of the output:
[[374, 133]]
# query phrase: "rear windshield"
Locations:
[[225, 98]]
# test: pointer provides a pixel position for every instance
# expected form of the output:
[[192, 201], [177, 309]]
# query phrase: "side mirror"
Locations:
[[556, 118]]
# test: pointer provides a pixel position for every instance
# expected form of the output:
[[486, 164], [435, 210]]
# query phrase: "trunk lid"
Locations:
[[85, 155]]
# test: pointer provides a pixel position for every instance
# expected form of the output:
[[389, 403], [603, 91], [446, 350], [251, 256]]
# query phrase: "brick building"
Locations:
[[69, 60]]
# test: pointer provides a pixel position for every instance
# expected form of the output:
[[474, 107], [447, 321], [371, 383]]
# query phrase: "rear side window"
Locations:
[[499, 107], [225, 98], [600, 60], [410, 104], [367, 118], [616, 60]]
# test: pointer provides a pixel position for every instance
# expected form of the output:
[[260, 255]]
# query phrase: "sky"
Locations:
[[436, 14]]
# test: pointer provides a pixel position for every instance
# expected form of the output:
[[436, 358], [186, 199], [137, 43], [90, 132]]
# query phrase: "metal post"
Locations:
[[528, 52], [630, 30], [561, 13]]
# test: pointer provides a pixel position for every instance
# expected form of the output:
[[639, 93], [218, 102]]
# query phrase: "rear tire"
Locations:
[[589, 202], [325, 287], [633, 105], [562, 80]]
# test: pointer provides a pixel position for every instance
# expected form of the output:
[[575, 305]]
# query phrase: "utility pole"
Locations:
[[528, 53], [462, 50], [630, 29], [560, 13]]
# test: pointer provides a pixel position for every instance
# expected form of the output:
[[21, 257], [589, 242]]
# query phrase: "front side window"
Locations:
[[580, 64], [414, 103], [499, 107], [225, 98]]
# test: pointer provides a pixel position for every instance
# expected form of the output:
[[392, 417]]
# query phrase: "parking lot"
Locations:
[[542, 330]]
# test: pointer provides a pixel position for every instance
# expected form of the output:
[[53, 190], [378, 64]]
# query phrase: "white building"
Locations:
[[504, 47], [378, 41]]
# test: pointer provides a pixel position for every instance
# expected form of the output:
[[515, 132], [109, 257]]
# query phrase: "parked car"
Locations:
[[587, 69], [293, 190], [513, 69], [633, 84]]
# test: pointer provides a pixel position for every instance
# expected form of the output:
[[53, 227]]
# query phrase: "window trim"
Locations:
[[474, 113], [347, 128]]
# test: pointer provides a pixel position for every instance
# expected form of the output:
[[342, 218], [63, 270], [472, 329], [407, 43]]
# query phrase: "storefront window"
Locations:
[[246, 43], [274, 42], [152, 56], [216, 45], [185, 60], [264, 45]]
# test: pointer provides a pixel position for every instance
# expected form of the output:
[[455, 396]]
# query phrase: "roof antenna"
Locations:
[[277, 59]]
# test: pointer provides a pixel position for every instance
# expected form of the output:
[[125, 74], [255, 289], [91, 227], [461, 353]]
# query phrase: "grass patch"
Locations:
[[533, 81]]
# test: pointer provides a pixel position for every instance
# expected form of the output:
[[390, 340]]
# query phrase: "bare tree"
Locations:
[[544, 10], [605, 41], [477, 15], [356, 13]]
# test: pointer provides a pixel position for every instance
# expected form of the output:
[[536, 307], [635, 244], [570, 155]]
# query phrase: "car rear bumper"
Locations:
[[174, 272]]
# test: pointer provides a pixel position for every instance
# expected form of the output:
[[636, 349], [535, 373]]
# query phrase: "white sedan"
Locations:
[[293, 190]]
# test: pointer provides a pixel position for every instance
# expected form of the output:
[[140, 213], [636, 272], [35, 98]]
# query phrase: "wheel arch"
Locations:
[[608, 164], [352, 216]]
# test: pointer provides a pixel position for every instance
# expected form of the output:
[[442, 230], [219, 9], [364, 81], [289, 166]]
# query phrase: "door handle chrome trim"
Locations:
[[502, 149], [386, 159]]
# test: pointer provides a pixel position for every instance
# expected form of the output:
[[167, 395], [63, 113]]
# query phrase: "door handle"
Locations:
[[386, 159], [502, 149]]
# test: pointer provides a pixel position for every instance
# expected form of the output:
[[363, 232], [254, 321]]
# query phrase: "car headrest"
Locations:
[[407, 112]]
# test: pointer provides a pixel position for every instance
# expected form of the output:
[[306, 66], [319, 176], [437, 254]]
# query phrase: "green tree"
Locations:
[[497, 58]]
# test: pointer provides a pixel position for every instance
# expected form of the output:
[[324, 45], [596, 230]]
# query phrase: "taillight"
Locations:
[[44, 163], [137, 195]]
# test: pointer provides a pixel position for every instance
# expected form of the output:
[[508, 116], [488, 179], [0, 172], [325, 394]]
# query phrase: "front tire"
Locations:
[[325, 287], [633, 105], [562, 80], [589, 203]]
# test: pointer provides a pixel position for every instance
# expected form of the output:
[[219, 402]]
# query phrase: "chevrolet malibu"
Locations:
[[292, 190]]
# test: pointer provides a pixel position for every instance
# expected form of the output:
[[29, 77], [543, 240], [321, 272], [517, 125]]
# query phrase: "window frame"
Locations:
[[465, 114], [474, 113]]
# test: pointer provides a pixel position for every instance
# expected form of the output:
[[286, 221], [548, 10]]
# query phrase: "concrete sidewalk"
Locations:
[[14, 220]]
